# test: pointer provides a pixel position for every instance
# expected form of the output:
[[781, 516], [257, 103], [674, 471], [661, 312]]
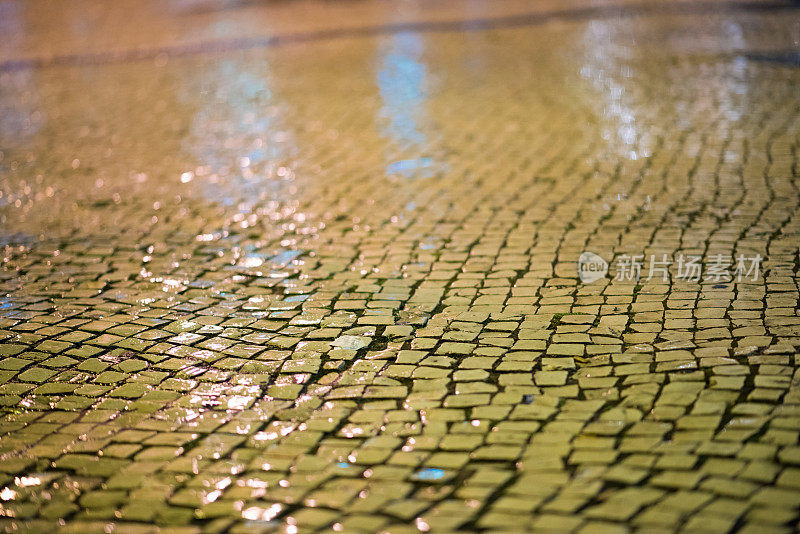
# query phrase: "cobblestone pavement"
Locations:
[[330, 282]]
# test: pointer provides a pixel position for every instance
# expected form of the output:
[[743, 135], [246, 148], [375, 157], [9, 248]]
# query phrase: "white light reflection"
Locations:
[[239, 137], [606, 69]]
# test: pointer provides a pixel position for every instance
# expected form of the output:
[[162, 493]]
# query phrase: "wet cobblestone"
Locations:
[[334, 286]]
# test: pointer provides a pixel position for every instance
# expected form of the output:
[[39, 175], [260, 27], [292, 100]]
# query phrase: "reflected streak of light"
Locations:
[[402, 80]]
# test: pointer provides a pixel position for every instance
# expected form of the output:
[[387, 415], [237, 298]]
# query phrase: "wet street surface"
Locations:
[[288, 267]]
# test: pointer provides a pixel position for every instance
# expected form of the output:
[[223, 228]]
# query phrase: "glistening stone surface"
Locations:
[[332, 284]]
